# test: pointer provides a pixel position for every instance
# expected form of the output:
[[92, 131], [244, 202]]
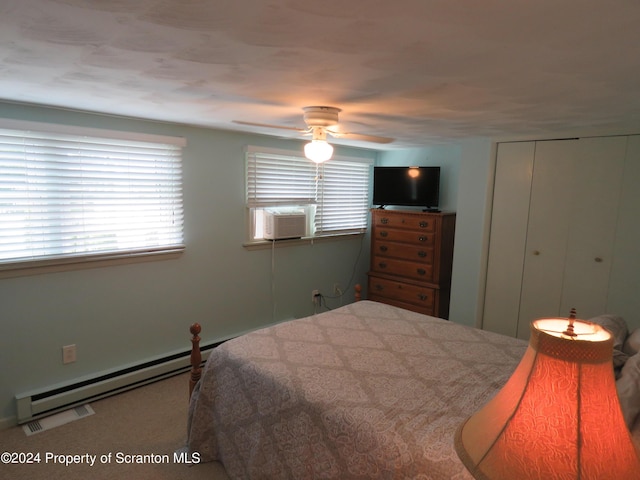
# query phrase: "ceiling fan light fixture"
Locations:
[[321, 121], [318, 151]]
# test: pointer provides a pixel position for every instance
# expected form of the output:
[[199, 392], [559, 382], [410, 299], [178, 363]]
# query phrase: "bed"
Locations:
[[364, 391]]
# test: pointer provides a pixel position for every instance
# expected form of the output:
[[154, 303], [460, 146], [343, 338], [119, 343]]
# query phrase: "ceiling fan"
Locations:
[[321, 121]]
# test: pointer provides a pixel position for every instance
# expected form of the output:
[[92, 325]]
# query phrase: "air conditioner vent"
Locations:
[[278, 226], [57, 419]]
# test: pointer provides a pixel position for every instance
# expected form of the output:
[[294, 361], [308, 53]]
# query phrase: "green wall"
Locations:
[[120, 316], [466, 178]]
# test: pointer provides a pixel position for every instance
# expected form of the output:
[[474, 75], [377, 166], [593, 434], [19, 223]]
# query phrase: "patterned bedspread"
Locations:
[[366, 391]]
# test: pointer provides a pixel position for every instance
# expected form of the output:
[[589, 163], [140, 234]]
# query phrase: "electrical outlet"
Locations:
[[337, 289], [68, 354], [315, 297]]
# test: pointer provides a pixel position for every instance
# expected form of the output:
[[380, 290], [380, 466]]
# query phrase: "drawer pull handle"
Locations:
[[382, 265], [422, 238], [421, 271], [424, 224], [383, 248], [598, 259], [384, 221], [422, 296], [422, 254], [379, 287], [384, 234]]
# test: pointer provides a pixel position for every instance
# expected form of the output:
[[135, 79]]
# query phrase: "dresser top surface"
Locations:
[[384, 211]]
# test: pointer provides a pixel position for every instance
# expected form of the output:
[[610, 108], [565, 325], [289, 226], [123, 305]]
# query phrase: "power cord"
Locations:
[[353, 274]]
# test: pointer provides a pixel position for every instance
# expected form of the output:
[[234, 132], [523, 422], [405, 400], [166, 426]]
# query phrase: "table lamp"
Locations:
[[558, 416]]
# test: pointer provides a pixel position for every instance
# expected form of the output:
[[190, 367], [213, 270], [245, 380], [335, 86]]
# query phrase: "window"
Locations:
[[67, 198], [333, 195]]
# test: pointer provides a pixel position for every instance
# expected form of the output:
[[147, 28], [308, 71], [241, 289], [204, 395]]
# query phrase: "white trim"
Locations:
[[38, 267], [264, 244]]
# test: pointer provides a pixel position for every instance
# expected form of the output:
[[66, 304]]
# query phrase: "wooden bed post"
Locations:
[[196, 357], [358, 290]]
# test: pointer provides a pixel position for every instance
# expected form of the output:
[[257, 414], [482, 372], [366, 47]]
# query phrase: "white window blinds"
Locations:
[[344, 197], [64, 195], [338, 188], [274, 180]]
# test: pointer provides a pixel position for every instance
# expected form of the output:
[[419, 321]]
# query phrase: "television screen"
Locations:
[[410, 186]]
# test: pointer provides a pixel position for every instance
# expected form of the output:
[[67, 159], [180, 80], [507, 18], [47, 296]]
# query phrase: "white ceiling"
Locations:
[[420, 71]]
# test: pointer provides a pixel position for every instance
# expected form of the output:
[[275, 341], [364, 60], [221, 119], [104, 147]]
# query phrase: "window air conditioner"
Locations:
[[278, 226]]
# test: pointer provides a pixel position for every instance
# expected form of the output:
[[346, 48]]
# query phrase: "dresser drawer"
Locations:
[[432, 311], [404, 236], [404, 268], [402, 292], [423, 254], [404, 220]]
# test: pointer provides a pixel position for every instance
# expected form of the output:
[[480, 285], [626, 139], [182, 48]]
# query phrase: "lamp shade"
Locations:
[[318, 151], [558, 416]]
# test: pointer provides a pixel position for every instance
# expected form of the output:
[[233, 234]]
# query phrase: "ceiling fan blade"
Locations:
[[361, 137], [266, 125]]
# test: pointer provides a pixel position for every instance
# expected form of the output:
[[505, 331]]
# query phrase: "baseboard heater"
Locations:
[[38, 404]]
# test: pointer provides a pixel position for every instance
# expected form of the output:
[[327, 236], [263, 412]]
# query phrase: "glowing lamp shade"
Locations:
[[558, 416], [318, 151]]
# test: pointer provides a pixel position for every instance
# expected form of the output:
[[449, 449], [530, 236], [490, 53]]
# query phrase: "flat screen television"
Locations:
[[407, 186]]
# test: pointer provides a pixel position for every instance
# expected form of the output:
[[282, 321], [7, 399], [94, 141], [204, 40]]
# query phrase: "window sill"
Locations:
[[64, 264], [265, 244]]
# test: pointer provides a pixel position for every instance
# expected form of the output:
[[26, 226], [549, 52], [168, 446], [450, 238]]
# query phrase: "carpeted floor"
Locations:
[[148, 420]]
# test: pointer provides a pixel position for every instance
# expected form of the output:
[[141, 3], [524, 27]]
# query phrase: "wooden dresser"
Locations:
[[411, 259]]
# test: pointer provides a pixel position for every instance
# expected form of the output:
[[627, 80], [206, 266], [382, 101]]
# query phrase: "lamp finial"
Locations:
[[572, 318]]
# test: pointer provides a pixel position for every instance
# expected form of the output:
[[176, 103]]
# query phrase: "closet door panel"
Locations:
[[514, 167], [554, 182], [581, 231], [624, 286], [592, 232]]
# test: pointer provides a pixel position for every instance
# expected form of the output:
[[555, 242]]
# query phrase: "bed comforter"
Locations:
[[366, 391]]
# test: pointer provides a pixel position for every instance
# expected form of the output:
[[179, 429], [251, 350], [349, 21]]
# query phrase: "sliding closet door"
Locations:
[[552, 191], [553, 230], [509, 217], [624, 285], [593, 226]]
